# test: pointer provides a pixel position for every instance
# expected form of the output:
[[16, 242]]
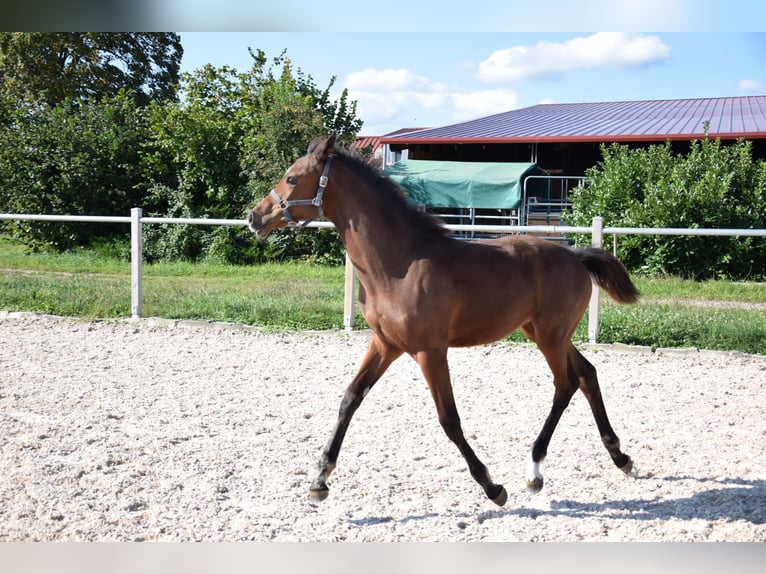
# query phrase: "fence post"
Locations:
[[136, 257], [349, 295], [595, 296]]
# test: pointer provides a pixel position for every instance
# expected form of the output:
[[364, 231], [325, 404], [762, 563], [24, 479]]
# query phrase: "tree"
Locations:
[[71, 125], [81, 161], [82, 150], [223, 147], [56, 68]]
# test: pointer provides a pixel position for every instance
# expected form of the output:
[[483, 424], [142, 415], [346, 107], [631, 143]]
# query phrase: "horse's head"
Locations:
[[298, 195]]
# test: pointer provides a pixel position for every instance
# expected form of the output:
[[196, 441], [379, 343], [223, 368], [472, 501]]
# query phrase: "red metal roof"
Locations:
[[361, 142], [648, 120]]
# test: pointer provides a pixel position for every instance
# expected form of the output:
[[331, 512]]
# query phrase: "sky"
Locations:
[[429, 63], [409, 79]]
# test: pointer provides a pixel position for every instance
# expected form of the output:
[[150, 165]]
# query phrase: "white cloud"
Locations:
[[614, 49], [471, 105], [397, 98], [749, 86], [388, 95], [380, 106], [387, 80]]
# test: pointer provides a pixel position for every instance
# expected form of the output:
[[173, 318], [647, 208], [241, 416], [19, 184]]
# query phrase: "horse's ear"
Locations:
[[322, 146], [330, 144], [313, 145]]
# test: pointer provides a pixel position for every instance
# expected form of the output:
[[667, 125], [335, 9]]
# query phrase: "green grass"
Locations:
[[673, 325], [86, 284], [286, 296], [679, 313], [713, 290], [299, 296], [13, 255]]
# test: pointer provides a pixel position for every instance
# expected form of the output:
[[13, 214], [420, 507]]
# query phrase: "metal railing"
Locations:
[[596, 230]]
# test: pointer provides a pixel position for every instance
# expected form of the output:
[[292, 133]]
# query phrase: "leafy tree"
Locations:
[[56, 68], [224, 146], [714, 185], [75, 147], [65, 160], [71, 125]]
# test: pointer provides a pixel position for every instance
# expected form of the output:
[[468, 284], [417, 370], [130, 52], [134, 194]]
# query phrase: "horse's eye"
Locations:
[[292, 180]]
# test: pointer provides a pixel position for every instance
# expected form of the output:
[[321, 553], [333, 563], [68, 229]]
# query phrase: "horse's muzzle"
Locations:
[[255, 222]]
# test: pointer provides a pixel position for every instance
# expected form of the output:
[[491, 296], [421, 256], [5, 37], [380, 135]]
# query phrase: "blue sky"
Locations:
[[445, 16], [437, 78], [427, 63]]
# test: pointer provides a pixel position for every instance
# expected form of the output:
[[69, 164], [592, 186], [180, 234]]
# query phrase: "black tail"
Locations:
[[609, 273]]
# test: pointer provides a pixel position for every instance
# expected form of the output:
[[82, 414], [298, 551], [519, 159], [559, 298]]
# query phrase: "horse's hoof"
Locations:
[[535, 485], [501, 498], [629, 469], [318, 494]]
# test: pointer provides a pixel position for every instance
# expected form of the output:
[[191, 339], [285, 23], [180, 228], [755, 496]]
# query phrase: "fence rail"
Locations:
[[596, 230]]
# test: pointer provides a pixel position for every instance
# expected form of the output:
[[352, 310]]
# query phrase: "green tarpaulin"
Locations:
[[462, 184]]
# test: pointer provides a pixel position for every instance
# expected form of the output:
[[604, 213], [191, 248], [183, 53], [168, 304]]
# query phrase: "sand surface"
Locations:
[[153, 430]]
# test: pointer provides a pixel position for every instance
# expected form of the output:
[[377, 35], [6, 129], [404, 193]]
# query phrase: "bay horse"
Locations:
[[422, 291]]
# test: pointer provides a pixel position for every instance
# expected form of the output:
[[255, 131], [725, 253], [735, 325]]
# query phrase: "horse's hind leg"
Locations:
[[378, 358], [436, 371], [555, 355], [587, 381]]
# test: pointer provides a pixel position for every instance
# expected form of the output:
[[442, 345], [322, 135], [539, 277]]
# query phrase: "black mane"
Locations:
[[390, 190]]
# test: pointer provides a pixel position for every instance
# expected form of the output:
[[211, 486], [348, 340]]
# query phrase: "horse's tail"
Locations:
[[609, 273]]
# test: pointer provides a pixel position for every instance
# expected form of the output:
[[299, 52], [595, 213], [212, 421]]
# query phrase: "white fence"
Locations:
[[596, 230]]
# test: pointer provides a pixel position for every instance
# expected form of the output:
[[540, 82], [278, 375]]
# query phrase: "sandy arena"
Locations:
[[127, 430]]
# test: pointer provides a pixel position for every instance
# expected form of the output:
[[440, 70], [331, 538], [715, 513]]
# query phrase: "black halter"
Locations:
[[316, 201]]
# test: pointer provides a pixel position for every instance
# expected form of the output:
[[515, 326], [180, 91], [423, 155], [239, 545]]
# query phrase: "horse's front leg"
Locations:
[[379, 357], [436, 371]]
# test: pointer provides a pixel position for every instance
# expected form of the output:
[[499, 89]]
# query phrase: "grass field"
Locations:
[[673, 312]]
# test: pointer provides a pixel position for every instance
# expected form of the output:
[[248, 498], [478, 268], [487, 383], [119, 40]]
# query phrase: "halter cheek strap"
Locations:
[[316, 201]]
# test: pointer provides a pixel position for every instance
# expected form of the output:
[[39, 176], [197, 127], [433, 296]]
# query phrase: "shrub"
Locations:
[[714, 185]]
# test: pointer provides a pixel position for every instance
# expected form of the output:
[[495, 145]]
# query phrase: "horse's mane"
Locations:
[[389, 190]]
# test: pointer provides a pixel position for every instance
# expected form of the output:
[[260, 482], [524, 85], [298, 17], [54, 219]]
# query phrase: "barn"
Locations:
[[564, 140]]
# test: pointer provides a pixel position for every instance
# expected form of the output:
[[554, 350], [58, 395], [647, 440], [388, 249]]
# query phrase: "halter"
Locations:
[[316, 201]]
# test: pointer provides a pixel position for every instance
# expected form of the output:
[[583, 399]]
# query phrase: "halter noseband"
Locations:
[[316, 201]]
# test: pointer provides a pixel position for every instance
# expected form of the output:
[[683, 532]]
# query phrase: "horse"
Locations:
[[423, 291]]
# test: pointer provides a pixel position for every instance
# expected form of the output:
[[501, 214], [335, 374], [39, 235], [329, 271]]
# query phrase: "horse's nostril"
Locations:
[[250, 217]]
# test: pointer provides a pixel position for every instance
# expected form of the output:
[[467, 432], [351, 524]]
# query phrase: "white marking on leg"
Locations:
[[533, 469]]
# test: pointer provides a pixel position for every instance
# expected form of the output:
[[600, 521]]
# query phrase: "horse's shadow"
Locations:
[[733, 499]]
